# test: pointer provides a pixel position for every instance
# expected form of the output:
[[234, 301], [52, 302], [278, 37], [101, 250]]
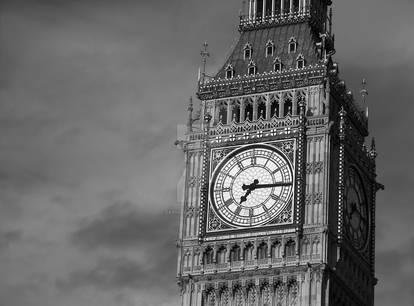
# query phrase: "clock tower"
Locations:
[[279, 199]]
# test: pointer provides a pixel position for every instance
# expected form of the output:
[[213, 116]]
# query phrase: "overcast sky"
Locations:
[[91, 93]]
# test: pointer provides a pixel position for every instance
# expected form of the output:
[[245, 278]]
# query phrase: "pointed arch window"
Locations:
[[270, 48], [208, 257], [262, 251], [251, 69], [277, 65], [248, 51], [300, 62], [293, 45], [229, 71], [290, 248]]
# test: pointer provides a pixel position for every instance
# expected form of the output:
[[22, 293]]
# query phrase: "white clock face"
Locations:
[[252, 186]]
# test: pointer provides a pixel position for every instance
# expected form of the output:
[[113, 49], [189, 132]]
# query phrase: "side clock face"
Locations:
[[356, 210], [252, 186]]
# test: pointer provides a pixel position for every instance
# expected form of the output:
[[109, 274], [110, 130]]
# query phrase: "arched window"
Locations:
[[208, 257], [287, 107], [290, 248], [235, 254], [295, 6], [292, 45], [277, 250], [248, 51], [274, 108], [268, 7], [229, 72], [262, 251], [305, 247], [261, 109], [270, 48], [300, 62], [235, 113], [248, 252], [286, 6], [221, 255], [277, 65], [277, 7], [248, 111], [251, 69], [222, 113]]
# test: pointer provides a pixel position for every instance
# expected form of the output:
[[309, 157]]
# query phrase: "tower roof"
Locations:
[[280, 37]]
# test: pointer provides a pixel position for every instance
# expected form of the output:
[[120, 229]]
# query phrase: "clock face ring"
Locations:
[[356, 210], [251, 186]]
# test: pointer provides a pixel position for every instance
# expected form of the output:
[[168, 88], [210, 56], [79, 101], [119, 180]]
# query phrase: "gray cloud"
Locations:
[[9, 237], [124, 225], [91, 92]]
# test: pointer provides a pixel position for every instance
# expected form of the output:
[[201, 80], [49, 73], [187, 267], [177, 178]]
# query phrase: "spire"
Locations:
[[204, 55], [364, 94], [373, 151], [190, 116]]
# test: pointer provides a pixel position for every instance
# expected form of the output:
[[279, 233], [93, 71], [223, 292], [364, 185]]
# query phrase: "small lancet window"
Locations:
[[277, 66], [292, 45], [229, 72], [270, 48], [248, 51], [251, 69], [300, 62]]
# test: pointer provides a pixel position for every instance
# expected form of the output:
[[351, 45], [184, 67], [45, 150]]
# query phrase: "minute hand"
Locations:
[[262, 186]]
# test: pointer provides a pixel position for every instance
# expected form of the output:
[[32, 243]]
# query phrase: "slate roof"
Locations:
[[280, 35]]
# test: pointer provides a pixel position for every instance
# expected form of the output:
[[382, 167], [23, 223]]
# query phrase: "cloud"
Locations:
[[9, 237], [109, 274], [124, 225], [396, 276]]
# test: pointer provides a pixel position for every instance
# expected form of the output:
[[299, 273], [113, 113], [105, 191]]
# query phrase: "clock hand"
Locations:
[[244, 198], [251, 186], [272, 185], [261, 186]]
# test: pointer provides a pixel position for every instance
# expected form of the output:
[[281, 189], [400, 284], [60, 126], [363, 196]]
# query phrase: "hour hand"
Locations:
[[244, 198]]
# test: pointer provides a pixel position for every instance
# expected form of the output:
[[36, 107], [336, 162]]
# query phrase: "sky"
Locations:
[[91, 95]]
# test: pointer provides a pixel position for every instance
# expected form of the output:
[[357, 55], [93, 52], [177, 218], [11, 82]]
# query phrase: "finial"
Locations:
[[204, 55], [364, 91], [364, 94], [190, 115], [373, 151]]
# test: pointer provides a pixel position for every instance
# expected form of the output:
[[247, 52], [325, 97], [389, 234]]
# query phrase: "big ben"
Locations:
[[280, 185]]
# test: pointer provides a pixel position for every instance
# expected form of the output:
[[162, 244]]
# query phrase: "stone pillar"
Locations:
[[255, 108], [273, 9], [242, 110], [291, 7], [229, 110], [264, 10], [281, 104], [250, 9], [268, 107]]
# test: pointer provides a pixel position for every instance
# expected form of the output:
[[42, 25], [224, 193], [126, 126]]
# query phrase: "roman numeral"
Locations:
[[238, 210], [228, 202]]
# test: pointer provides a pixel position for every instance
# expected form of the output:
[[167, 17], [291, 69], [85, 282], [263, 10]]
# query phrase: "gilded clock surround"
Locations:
[[284, 152]]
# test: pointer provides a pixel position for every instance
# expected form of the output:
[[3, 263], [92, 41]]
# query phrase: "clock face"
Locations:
[[356, 210], [252, 186]]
